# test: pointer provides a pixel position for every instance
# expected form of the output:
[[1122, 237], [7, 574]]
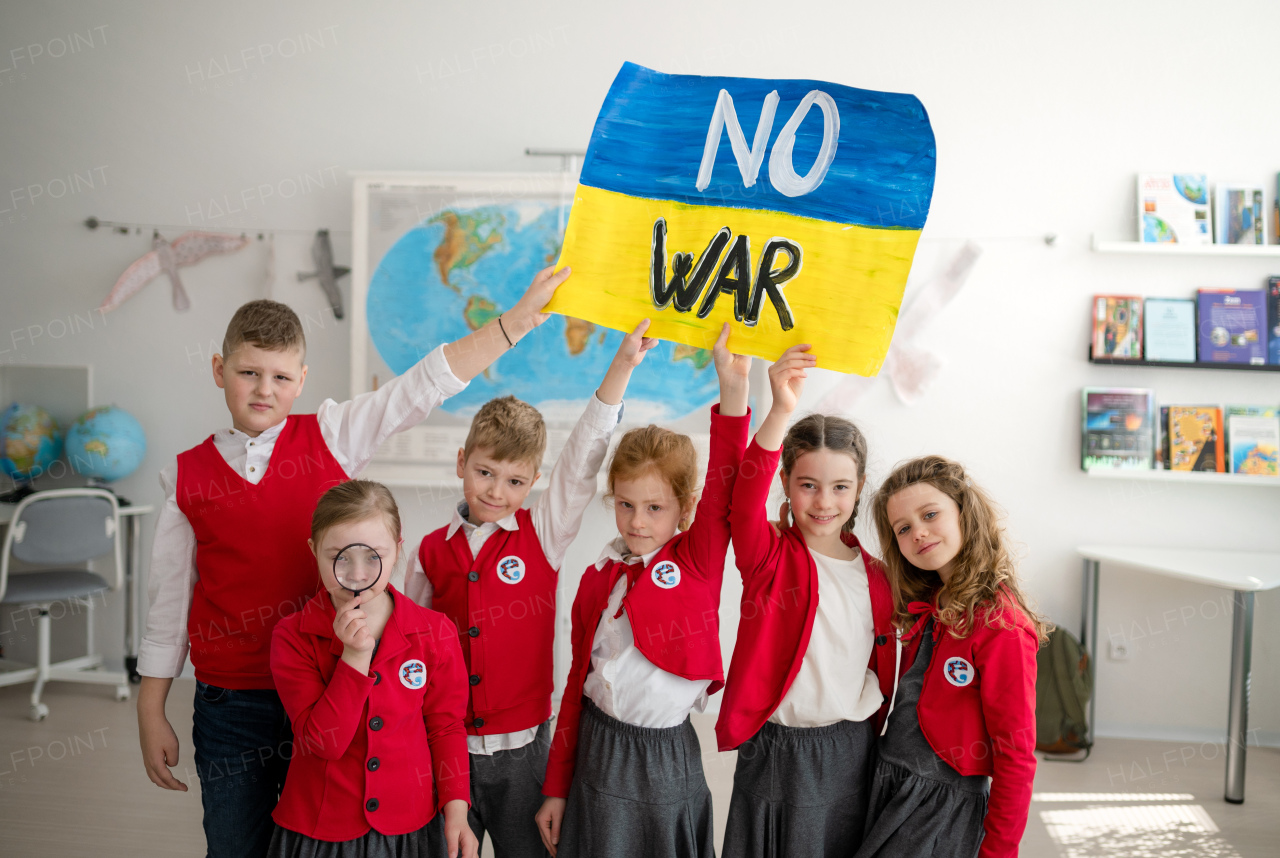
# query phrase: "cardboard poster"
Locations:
[[790, 208]]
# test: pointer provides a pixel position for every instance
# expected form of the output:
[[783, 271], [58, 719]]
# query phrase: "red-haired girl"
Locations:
[[625, 771]]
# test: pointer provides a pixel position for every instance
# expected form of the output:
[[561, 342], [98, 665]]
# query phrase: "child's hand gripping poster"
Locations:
[[790, 208]]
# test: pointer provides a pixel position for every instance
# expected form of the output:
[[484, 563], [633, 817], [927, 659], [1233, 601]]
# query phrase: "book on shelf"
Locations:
[[1162, 431], [1237, 214], [1117, 428], [1232, 325], [1273, 320], [1117, 327], [1169, 329], [1195, 438], [1253, 439], [1173, 208]]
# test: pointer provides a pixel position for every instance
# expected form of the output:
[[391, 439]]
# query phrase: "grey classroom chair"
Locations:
[[61, 529]]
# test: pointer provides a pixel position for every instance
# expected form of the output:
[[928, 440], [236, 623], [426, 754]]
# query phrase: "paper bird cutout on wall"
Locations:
[[326, 272], [911, 367], [165, 257]]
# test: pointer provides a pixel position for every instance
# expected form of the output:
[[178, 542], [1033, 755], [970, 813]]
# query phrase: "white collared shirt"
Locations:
[[353, 431], [556, 515], [826, 689], [622, 682]]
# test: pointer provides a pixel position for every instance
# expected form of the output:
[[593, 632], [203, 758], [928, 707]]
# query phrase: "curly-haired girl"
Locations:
[[964, 711]]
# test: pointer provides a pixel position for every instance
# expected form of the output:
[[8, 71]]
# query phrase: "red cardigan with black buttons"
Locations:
[[383, 750]]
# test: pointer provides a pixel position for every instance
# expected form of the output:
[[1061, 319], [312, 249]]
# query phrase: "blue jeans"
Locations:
[[243, 742]]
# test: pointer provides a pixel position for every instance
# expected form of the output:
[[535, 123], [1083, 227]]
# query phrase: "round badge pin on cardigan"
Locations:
[[413, 674], [958, 672], [666, 574], [511, 569]]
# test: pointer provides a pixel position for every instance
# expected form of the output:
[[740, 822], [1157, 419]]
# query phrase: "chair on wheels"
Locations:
[[60, 529]]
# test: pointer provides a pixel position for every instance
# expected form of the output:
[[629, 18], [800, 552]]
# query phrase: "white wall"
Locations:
[[1042, 118]]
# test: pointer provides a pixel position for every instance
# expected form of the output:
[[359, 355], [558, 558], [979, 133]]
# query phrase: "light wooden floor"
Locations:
[[73, 785]]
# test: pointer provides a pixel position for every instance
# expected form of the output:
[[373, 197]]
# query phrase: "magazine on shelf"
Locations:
[[1232, 325], [1253, 439], [1173, 208], [1195, 438], [1117, 428], [1238, 215], [1117, 327], [1169, 329]]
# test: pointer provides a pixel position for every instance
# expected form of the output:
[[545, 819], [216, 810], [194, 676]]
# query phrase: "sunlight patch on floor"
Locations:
[[1142, 831]]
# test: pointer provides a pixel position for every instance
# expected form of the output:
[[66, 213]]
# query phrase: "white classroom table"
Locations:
[[1244, 573], [132, 516]]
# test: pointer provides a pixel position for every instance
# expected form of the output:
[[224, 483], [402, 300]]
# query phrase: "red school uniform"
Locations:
[[503, 604], [672, 603], [977, 710], [251, 549], [779, 602], [382, 750]]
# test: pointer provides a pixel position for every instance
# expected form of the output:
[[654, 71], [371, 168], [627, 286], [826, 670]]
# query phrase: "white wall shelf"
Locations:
[[1253, 250], [1200, 477]]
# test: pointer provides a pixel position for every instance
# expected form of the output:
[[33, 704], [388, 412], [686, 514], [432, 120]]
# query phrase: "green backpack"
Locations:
[[1064, 683]]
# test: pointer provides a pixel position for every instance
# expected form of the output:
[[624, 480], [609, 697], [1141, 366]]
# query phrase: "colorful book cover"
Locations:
[[1173, 208], [1232, 325], [1273, 320], [1117, 327], [1238, 215], [1195, 438], [1253, 439], [1169, 329], [1119, 428]]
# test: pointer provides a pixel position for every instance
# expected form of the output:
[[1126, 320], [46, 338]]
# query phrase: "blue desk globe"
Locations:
[[32, 442], [106, 444]]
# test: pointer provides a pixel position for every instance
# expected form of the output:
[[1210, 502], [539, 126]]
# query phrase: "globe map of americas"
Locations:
[[460, 268]]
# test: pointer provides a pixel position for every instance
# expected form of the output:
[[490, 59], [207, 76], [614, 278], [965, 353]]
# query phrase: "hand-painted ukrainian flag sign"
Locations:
[[791, 208]]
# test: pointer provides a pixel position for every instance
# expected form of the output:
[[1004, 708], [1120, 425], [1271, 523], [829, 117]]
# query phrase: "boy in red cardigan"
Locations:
[[230, 557], [493, 571]]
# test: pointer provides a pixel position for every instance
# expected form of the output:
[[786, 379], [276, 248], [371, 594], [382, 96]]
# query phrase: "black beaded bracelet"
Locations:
[[510, 344]]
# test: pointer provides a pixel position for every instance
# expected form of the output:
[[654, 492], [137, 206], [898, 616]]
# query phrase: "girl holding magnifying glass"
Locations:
[[375, 688]]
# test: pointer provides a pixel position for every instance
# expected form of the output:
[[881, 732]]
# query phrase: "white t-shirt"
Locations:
[[834, 682]]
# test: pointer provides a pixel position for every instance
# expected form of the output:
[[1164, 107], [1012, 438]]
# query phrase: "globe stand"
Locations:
[[21, 491]]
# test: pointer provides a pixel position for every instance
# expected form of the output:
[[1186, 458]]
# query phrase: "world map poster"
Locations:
[[436, 257]]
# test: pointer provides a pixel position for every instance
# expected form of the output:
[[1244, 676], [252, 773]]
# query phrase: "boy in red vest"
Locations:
[[230, 557], [493, 571]]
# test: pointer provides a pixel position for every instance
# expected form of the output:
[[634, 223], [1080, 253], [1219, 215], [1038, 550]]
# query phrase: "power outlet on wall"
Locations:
[[1119, 651]]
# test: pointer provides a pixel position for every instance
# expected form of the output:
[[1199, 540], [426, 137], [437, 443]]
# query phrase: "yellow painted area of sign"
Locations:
[[844, 300]]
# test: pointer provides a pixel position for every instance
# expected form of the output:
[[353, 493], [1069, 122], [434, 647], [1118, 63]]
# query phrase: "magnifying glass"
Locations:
[[357, 567]]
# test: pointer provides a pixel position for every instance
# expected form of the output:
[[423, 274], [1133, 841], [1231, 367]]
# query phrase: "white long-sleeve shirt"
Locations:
[[826, 689], [556, 516], [353, 431], [622, 682]]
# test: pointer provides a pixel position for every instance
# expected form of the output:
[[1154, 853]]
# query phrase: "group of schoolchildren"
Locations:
[[878, 708]]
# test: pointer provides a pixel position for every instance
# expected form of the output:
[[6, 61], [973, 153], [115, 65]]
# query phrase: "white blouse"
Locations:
[[625, 684], [835, 682]]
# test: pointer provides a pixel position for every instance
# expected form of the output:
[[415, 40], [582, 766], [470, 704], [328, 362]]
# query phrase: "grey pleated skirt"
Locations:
[[427, 842], [920, 806], [636, 792], [801, 791]]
